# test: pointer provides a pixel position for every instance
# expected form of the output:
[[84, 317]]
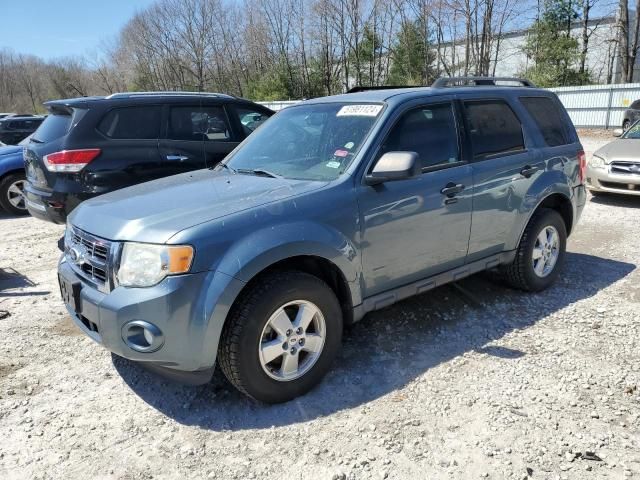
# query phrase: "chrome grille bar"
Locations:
[[91, 258]]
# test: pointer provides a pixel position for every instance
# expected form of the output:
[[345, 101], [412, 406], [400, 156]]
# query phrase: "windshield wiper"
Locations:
[[224, 165], [35, 140], [259, 171]]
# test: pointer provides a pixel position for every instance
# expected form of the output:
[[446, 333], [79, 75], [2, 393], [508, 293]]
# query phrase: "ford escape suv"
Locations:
[[93, 145], [336, 207]]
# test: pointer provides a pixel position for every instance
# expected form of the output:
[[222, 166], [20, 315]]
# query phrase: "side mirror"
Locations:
[[618, 132], [394, 166]]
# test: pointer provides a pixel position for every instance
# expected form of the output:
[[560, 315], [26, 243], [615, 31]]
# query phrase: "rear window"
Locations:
[[54, 126], [131, 123], [495, 129], [548, 118]]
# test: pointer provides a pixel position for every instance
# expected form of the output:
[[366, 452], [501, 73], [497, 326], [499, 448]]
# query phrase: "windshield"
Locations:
[[307, 142], [633, 132]]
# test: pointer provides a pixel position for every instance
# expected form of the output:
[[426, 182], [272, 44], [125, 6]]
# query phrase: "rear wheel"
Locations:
[[12, 194], [281, 337], [625, 125], [540, 254]]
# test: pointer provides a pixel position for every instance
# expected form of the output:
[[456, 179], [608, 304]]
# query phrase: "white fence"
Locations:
[[598, 106], [592, 106]]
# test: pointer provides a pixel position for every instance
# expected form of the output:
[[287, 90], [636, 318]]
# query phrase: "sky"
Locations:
[[59, 28]]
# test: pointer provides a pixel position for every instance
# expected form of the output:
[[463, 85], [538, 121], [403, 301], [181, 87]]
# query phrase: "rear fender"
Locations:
[[552, 181]]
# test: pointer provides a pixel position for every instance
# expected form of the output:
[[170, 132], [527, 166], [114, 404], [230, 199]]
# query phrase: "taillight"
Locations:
[[582, 164], [70, 160]]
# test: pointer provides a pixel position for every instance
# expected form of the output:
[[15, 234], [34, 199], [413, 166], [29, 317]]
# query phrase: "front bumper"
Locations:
[[602, 180], [188, 309]]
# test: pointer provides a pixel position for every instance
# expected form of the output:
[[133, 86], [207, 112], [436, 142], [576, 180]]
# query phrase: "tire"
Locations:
[[521, 273], [8, 194], [250, 325], [625, 125]]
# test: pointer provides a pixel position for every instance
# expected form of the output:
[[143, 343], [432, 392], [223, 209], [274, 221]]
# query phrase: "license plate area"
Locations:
[[70, 292]]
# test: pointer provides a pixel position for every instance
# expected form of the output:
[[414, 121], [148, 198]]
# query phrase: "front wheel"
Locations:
[[625, 125], [12, 197], [281, 338], [540, 254]]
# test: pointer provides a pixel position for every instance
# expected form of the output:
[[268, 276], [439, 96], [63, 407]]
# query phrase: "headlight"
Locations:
[[144, 264], [597, 162]]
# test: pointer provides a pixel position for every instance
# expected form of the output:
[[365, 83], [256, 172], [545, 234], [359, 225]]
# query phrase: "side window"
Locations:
[[217, 124], [430, 131], [250, 119], [131, 123], [548, 118], [494, 128], [197, 123]]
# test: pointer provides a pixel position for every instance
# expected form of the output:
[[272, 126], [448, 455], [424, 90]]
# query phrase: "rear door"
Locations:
[[128, 139], [505, 165]]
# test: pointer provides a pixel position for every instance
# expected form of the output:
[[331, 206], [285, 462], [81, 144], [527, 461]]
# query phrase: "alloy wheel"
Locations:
[[546, 251], [15, 195], [292, 340]]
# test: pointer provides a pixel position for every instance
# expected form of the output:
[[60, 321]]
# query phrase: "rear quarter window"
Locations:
[[495, 129], [549, 118], [54, 126], [141, 123]]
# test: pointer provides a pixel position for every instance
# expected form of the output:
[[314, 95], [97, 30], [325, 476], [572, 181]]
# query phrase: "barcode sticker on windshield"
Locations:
[[359, 110]]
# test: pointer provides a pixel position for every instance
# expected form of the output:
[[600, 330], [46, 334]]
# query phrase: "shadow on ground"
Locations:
[[11, 279], [617, 200], [387, 349]]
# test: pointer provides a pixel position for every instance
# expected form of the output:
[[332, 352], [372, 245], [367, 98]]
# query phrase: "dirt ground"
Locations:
[[470, 381]]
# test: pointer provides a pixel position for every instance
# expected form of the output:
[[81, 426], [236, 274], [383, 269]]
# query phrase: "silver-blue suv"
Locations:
[[333, 208]]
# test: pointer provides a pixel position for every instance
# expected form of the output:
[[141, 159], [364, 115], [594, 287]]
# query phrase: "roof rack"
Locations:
[[379, 87], [482, 81], [166, 93]]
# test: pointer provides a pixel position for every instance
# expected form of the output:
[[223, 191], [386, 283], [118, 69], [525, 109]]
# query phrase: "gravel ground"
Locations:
[[471, 381]]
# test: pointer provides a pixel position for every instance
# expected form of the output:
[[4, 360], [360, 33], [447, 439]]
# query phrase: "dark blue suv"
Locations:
[[333, 208]]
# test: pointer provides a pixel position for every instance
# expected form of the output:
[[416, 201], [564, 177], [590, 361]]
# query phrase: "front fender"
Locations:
[[262, 248], [11, 163], [550, 182]]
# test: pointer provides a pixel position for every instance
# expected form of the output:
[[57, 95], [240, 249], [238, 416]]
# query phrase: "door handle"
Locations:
[[177, 158], [528, 170], [451, 189]]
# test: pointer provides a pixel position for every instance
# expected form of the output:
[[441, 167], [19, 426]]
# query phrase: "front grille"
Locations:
[[619, 186], [90, 257], [625, 168]]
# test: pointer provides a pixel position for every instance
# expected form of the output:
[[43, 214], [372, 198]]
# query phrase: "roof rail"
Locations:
[[379, 87], [166, 93], [481, 81]]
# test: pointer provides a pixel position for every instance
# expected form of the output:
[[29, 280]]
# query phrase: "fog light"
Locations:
[[142, 336]]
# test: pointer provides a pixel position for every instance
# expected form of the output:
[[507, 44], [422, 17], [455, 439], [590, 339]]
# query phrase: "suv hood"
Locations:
[[155, 211], [621, 149]]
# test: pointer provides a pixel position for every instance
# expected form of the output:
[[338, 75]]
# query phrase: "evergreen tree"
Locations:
[[410, 57], [554, 51]]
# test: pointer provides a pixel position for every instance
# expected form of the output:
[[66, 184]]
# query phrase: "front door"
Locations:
[[182, 148], [412, 229]]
